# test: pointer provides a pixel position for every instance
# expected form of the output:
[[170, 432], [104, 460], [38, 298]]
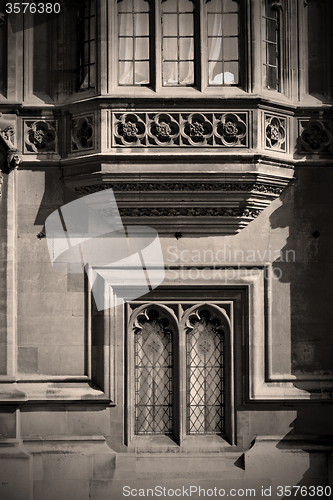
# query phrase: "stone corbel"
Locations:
[[14, 156]]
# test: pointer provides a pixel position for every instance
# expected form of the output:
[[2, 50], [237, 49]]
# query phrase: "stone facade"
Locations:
[[237, 181]]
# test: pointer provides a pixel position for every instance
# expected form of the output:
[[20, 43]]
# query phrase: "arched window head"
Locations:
[[205, 329], [153, 330], [133, 42]]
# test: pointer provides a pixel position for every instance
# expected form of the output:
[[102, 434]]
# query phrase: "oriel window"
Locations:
[[271, 45]]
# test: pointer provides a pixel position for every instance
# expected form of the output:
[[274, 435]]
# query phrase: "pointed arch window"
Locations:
[[153, 372], [204, 366], [178, 351]]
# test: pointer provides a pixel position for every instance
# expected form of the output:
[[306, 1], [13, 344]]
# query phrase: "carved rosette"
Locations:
[[82, 133], [40, 137], [131, 130], [275, 133], [231, 130], [315, 137], [180, 129], [163, 129]]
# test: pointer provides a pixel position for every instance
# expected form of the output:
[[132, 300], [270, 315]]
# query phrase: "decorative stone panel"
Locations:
[[160, 129], [275, 132], [82, 133], [315, 136], [40, 136]]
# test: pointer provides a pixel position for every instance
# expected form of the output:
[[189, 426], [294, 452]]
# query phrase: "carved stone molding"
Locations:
[[180, 186], [188, 212], [315, 136], [40, 136], [82, 133], [196, 129], [275, 133]]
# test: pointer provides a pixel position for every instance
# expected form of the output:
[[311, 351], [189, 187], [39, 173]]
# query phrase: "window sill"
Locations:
[[190, 444]]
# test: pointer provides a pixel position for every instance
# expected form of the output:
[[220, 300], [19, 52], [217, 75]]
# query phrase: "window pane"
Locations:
[[186, 49], [141, 6], [185, 24], [271, 77], [125, 6], [169, 6], [170, 73], [231, 70], [186, 73], [170, 48], [126, 48], [142, 72], [126, 73], [185, 6], [141, 48], [271, 54], [141, 24], [230, 49], [271, 30], [125, 25], [214, 24], [214, 6], [230, 24], [215, 49], [215, 73], [170, 25], [153, 374], [230, 6]]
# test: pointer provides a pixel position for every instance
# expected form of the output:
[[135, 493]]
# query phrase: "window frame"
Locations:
[[164, 296], [200, 88]]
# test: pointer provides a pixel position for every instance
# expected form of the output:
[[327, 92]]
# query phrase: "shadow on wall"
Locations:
[[305, 210]]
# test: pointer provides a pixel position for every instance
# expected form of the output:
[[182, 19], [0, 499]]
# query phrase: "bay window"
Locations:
[[182, 43]]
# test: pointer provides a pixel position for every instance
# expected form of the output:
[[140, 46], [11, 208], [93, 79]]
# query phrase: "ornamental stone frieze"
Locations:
[[196, 129], [275, 130]]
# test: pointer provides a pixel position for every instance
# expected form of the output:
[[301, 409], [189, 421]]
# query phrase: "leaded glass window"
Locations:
[[271, 45], [178, 364], [153, 373], [223, 41], [87, 44], [204, 365], [133, 42], [178, 42]]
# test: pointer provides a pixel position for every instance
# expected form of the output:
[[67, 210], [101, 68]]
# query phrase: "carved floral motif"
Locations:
[[188, 212], [130, 130], [180, 186], [275, 133], [82, 133], [315, 137], [40, 136], [180, 129]]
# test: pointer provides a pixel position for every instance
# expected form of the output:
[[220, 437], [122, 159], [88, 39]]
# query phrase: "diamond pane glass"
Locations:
[[153, 374], [204, 352]]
